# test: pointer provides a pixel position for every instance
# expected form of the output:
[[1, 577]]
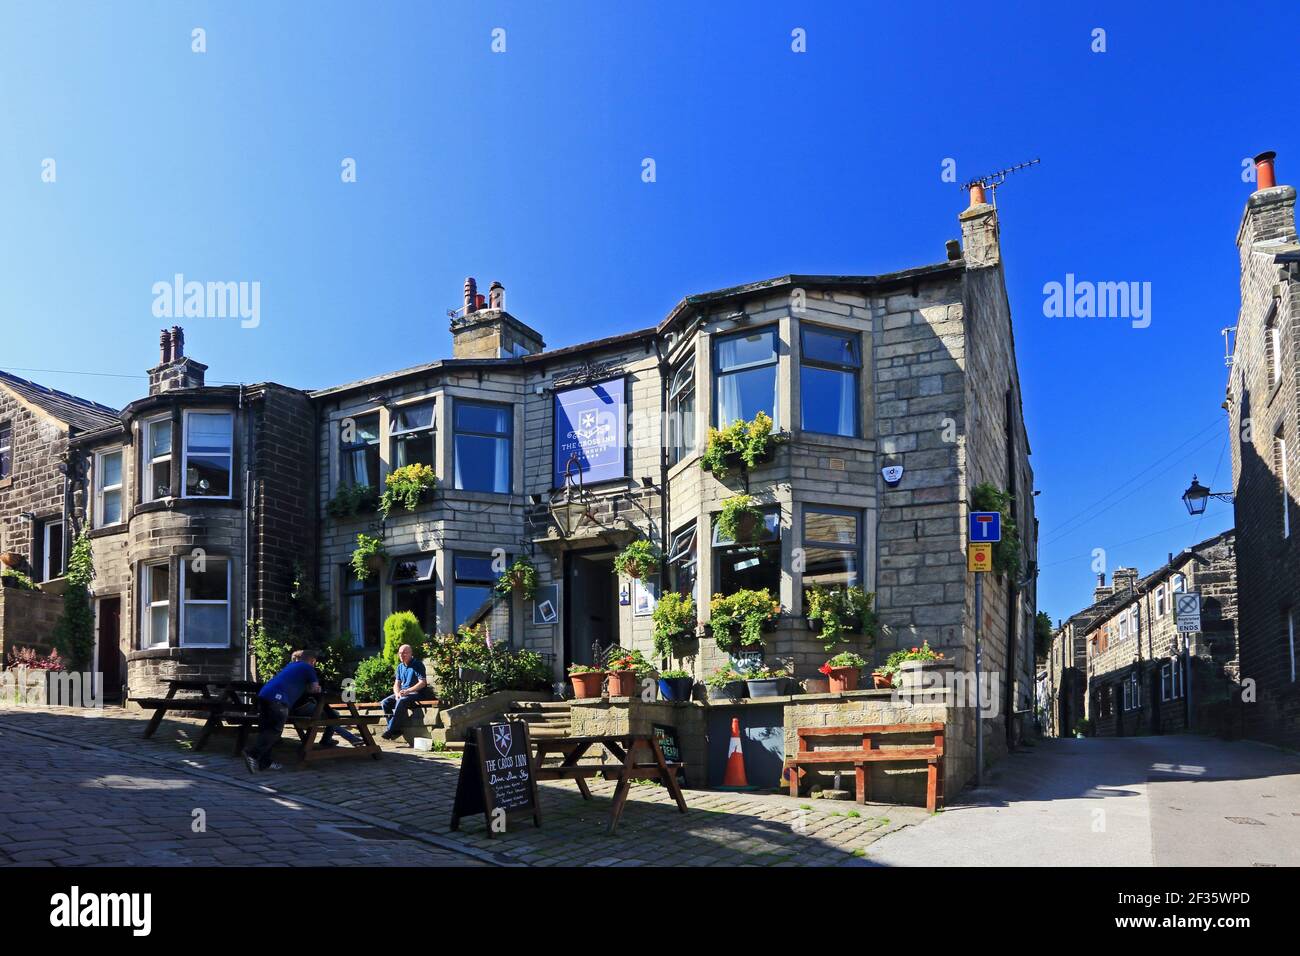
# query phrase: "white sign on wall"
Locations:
[[1187, 611]]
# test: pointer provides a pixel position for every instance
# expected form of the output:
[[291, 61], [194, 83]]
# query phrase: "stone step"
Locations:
[[518, 706], [536, 719]]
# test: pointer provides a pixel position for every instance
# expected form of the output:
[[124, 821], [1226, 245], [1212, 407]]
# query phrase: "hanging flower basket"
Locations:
[[640, 559]]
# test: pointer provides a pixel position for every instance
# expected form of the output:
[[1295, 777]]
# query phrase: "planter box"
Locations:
[[767, 687], [733, 691], [676, 688]]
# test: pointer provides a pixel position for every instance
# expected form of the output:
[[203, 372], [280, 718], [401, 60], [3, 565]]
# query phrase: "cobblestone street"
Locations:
[[114, 797]]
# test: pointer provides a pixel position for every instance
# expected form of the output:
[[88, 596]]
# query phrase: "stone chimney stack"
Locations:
[[487, 331], [1101, 591], [979, 231], [1270, 210], [174, 370], [1124, 579]]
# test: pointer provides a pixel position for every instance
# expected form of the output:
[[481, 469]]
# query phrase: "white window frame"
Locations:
[[7, 432], [1280, 438], [1290, 635], [46, 570], [100, 488], [1160, 601], [185, 452], [184, 604], [1127, 696], [1177, 584], [147, 606], [1123, 626], [1177, 663], [147, 461], [1166, 680]]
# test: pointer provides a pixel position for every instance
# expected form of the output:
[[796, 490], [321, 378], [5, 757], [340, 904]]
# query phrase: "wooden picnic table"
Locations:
[[231, 698], [623, 748], [307, 727]]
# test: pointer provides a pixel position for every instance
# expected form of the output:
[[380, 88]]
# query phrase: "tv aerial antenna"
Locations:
[[991, 181]]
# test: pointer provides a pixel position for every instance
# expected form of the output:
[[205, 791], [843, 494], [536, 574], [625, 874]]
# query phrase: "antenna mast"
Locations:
[[991, 181]]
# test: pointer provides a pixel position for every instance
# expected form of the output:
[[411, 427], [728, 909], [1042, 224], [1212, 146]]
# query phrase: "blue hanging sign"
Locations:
[[590, 422]]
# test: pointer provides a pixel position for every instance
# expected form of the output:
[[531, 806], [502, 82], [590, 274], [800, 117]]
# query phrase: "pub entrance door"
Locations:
[[590, 604]]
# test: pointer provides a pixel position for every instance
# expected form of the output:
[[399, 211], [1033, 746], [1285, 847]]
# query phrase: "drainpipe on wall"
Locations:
[[663, 461], [248, 526]]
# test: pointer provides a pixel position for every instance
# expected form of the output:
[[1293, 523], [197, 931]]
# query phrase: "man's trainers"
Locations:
[[327, 744], [274, 766], [251, 763]]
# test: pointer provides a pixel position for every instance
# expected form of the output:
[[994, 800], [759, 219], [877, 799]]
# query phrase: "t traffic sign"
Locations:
[[984, 526]]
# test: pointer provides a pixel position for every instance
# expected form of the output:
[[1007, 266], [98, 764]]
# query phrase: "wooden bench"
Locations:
[[868, 753], [306, 728], [233, 698]]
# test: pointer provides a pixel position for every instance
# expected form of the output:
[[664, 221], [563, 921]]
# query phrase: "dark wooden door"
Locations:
[[109, 663]]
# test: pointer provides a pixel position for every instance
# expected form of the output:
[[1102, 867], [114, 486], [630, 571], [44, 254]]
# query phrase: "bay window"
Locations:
[[681, 411], [412, 434], [414, 588], [744, 376], [156, 467], [205, 602], [751, 565], [359, 451], [482, 447], [108, 488], [155, 586], [828, 381], [361, 608], [209, 454], [832, 542]]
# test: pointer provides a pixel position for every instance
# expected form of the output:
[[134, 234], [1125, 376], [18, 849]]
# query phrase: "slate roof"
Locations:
[[80, 413]]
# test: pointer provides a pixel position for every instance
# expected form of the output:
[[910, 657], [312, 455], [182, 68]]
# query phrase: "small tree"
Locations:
[[74, 633], [401, 627]]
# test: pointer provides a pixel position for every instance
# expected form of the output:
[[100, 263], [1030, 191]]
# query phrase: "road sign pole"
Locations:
[[979, 702]]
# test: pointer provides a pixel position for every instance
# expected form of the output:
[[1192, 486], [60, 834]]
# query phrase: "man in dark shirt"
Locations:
[[276, 701]]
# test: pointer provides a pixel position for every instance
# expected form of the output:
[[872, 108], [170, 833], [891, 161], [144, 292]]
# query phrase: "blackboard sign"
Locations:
[[496, 773], [667, 739]]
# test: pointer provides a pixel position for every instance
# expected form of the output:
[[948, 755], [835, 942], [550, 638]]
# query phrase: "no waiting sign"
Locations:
[[1187, 611]]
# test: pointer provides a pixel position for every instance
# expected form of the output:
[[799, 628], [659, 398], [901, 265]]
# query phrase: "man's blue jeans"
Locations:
[[396, 708]]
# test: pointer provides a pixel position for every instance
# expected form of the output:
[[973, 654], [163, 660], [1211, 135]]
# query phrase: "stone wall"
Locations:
[[27, 619], [39, 443]]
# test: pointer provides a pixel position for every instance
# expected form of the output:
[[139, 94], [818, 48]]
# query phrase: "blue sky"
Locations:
[[525, 166]]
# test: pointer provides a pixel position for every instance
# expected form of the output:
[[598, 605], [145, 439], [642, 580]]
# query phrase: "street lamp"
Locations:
[[569, 505], [1198, 496]]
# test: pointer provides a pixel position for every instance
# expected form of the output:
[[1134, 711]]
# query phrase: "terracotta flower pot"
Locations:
[[816, 685], [882, 680], [588, 684], [622, 683], [844, 679]]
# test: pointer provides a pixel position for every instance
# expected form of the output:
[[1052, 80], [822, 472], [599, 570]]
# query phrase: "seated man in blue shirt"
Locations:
[[409, 686], [276, 701]]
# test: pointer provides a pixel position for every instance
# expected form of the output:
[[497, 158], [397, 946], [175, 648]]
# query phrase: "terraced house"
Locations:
[[890, 398]]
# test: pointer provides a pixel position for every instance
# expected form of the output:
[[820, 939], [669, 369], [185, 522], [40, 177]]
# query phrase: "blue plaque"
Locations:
[[590, 421]]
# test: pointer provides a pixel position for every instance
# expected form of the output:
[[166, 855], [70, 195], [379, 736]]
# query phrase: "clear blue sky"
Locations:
[[526, 167]]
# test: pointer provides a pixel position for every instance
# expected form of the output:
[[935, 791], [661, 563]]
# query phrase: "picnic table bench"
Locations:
[[233, 698], [623, 748], [307, 727], [869, 752]]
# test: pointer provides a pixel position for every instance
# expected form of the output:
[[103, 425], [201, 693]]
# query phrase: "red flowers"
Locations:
[[825, 669]]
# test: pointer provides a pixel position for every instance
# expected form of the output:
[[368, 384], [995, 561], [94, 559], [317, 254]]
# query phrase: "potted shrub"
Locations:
[[639, 559], [407, 486], [586, 680], [739, 446], [520, 577], [836, 613], [351, 500], [738, 620], [726, 683], [13, 578], [1082, 728], [843, 671], [739, 520], [911, 657], [676, 685], [625, 670], [675, 623], [369, 556], [764, 681]]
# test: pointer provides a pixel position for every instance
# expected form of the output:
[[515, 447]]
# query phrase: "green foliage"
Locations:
[[406, 486], [900, 657], [987, 496], [621, 659], [1083, 726], [847, 659], [762, 672], [368, 546], [74, 632], [675, 674], [739, 444], [739, 520], [1042, 635], [374, 679], [639, 559], [273, 648], [23, 582], [401, 627], [675, 622], [351, 500], [502, 667], [521, 576], [737, 620], [585, 669], [723, 676], [840, 612]]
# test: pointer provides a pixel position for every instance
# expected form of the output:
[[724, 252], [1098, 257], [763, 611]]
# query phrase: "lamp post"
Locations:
[[568, 506], [1197, 496]]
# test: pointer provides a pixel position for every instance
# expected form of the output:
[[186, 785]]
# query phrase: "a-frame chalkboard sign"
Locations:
[[496, 773]]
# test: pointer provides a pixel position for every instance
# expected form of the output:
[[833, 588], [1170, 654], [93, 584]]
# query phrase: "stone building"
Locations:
[[1263, 401], [1066, 675], [39, 502], [1143, 676], [201, 515]]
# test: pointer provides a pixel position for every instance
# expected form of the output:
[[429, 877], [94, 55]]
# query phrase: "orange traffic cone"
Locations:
[[734, 778]]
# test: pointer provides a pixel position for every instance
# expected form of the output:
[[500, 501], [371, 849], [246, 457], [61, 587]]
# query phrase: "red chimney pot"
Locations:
[[1265, 176]]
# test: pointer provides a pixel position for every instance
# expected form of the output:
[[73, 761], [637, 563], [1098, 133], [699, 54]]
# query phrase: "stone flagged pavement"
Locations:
[[413, 791]]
